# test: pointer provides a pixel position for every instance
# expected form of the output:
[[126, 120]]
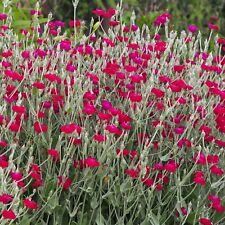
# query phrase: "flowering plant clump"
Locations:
[[119, 127]]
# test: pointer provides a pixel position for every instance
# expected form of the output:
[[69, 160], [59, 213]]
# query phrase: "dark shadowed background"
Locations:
[[198, 12]]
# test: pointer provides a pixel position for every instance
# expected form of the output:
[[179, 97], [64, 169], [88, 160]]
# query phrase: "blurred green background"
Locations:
[[184, 12]]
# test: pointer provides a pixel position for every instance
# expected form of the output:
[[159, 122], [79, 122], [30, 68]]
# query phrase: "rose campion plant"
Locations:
[[118, 127]]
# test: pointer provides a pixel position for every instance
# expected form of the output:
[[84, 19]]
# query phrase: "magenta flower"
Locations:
[[192, 28], [213, 27], [162, 19], [91, 162], [3, 16]]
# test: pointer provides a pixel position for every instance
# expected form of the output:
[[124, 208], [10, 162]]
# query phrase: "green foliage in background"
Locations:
[[20, 11], [184, 12]]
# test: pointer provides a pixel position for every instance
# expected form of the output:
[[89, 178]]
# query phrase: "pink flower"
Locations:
[[65, 45], [135, 97], [59, 23], [200, 180], [113, 129], [158, 93], [107, 14], [159, 187], [192, 28], [147, 181], [39, 127], [30, 204], [178, 68], [16, 176], [92, 162], [184, 211], [3, 143], [106, 104], [3, 16], [37, 184], [217, 170], [213, 159], [99, 12], [74, 23], [3, 163], [213, 27], [200, 158], [134, 173], [71, 68], [99, 137], [70, 128], [205, 221], [158, 166], [221, 41], [35, 12], [53, 153], [8, 215], [134, 27], [170, 167], [19, 109], [65, 182], [25, 54], [89, 109], [179, 130], [6, 198], [76, 141], [162, 19]]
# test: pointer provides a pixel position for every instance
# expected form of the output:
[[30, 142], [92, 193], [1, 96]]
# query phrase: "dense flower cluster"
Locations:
[[127, 121]]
